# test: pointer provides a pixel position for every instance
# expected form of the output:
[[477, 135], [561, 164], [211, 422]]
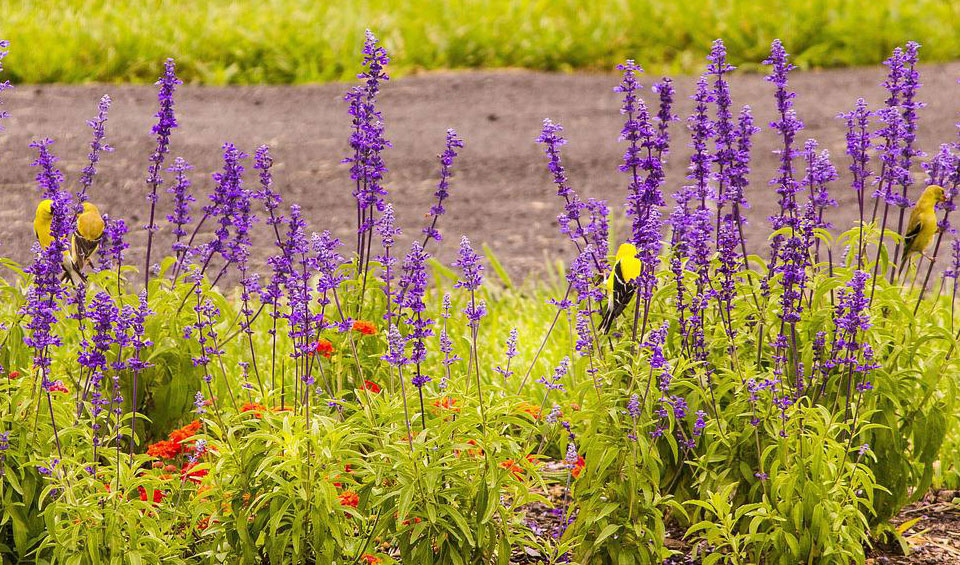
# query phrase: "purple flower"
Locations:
[[572, 456], [633, 406], [511, 352], [820, 172], [725, 156], [181, 203], [569, 221], [395, 348], [414, 286], [787, 125], [4, 85], [470, 279], [953, 272], [388, 232], [113, 246], [554, 416], [553, 383], [166, 122], [271, 198], [45, 294], [367, 139], [858, 146], [446, 164], [701, 131], [198, 403], [96, 147]]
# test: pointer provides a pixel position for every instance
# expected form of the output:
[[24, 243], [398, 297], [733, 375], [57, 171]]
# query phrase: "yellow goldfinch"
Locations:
[[923, 223], [84, 242], [626, 267]]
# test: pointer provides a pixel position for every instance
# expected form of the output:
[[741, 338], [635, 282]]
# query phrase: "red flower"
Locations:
[[370, 559], [13, 374], [364, 327], [164, 449], [578, 467], [193, 476], [371, 386], [58, 386], [349, 498], [157, 495], [324, 347]]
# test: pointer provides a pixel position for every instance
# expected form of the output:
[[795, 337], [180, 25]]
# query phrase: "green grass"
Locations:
[[298, 41]]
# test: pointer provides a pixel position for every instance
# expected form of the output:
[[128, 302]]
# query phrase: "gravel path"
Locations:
[[501, 194]]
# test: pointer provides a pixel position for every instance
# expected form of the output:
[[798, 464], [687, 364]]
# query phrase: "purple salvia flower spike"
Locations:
[[166, 122], [446, 165], [97, 146]]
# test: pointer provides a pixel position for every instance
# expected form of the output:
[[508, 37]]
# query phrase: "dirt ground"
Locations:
[[501, 195]]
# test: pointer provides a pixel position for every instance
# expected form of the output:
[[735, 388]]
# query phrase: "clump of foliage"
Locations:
[[376, 406]]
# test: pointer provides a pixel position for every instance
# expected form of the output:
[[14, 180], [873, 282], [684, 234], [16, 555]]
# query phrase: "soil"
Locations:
[[501, 195]]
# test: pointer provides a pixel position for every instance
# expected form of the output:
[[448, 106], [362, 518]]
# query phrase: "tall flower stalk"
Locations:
[[166, 122], [471, 278]]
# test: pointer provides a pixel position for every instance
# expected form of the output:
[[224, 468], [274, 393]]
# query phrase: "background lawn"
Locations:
[[298, 41]]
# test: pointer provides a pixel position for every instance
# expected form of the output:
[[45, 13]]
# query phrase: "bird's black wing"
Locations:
[[622, 294], [911, 236], [84, 249]]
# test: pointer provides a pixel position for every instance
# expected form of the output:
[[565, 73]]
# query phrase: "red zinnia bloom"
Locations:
[[349, 498], [371, 386], [324, 347], [364, 327]]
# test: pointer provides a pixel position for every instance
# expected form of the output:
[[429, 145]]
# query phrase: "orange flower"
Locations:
[[370, 559], [164, 449], [475, 452], [371, 386], [416, 520], [324, 347], [58, 386], [364, 327], [511, 466], [349, 498], [531, 409], [255, 407], [447, 403], [578, 467], [185, 432], [203, 523]]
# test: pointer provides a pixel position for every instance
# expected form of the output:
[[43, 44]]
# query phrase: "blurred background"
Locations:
[[301, 41]]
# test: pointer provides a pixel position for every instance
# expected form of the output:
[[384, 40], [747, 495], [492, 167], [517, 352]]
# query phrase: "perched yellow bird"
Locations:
[[626, 267], [923, 223], [84, 242]]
